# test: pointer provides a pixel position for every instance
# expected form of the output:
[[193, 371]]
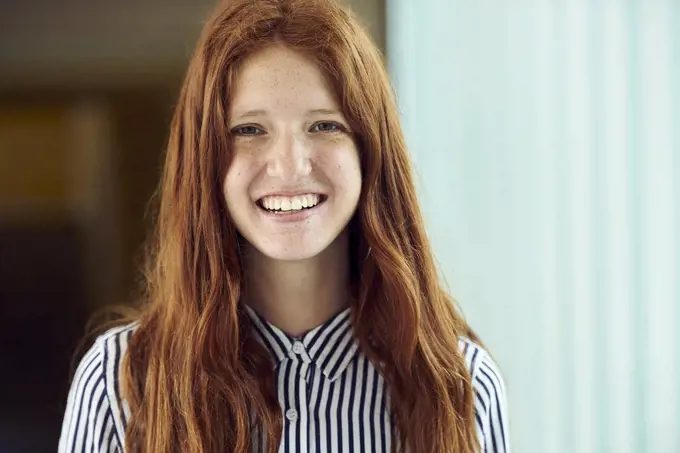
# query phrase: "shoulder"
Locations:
[[113, 345], [478, 360], [490, 399], [94, 419]]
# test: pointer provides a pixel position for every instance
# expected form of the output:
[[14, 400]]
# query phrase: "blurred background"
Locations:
[[546, 138]]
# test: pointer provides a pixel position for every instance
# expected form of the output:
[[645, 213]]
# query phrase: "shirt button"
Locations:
[[298, 348], [291, 414]]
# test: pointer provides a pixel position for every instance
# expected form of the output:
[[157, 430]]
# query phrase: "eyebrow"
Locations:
[[251, 113], [324, 112], [262, 112]]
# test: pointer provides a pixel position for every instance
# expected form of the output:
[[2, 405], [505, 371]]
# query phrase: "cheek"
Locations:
[[344, 167], [236, 180], [349, 161]]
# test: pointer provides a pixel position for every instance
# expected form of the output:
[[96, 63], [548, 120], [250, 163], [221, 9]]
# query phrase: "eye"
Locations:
[[327, 126], [247, 130]]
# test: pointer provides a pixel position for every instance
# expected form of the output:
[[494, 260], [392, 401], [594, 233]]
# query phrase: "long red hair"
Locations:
[[193, 375]]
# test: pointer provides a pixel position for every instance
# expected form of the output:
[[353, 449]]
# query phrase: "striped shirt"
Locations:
[[332, 398]]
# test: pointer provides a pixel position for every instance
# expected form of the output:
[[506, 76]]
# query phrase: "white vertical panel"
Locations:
[[579, 145], [546, 140], [618, 357], [658, 229], [544, 134]]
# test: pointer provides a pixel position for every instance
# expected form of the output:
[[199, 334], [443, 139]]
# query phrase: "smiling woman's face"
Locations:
[[294, 180]]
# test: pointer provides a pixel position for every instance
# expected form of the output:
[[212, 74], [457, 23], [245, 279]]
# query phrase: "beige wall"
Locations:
[[36, 140], [103, 43], [372, 15]]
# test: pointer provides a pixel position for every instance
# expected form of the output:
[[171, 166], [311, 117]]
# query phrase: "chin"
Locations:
[[296, 248], [291, 250], [290, 255]]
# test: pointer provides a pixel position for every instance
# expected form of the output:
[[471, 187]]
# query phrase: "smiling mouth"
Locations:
[[290, 205]]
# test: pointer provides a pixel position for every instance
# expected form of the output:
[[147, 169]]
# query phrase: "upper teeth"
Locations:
[[291, 203]]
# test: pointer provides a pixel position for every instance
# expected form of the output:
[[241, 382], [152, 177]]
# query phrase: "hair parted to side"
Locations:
[[194, 376]]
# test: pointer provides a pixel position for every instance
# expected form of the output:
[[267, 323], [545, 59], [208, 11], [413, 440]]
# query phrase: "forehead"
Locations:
[[279, 77]]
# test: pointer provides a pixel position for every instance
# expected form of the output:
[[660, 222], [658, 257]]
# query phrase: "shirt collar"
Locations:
[[330, 346]]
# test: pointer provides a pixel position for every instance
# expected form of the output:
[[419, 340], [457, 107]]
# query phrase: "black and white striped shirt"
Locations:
[[333, 400]]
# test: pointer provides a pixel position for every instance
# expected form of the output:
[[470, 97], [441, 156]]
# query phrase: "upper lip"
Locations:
[[290, 193]]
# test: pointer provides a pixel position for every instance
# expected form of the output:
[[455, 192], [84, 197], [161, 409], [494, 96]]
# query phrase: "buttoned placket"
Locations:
[[300, 380], [295, 369]]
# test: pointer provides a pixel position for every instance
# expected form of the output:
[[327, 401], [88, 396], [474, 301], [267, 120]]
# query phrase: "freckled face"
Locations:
[[294, 180]]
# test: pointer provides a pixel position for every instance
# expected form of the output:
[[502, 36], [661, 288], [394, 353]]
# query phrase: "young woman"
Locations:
[[293, 304]]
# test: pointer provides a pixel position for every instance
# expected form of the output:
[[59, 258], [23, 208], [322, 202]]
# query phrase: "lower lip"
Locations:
[[292, 216]]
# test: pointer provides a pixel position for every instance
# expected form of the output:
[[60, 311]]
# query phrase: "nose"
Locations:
[[289, 158]]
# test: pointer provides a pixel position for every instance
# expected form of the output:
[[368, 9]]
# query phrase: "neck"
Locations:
[[297, 296]]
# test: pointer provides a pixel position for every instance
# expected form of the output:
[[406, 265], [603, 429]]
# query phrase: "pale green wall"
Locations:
[[547, 139]]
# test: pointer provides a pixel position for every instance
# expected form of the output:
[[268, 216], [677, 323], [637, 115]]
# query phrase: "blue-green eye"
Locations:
[[247, 130], [326, 126]]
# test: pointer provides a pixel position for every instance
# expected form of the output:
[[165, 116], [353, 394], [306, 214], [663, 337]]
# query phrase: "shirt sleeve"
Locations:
[[88, 424], [490, 406]]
